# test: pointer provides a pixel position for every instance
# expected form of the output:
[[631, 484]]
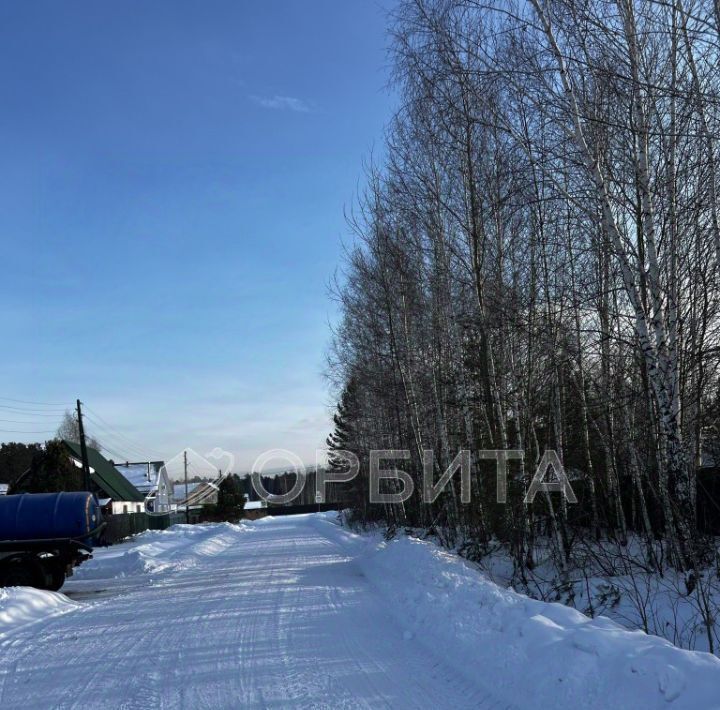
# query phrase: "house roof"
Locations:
[[105, 476], [137, 475], [255, 505]]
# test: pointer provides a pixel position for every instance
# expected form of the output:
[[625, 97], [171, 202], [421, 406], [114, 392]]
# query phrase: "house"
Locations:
[[141, 475], [152, 480], [115, 493], [203, 493], [255, 509], [4, 488], [107, 482], [181, 491]]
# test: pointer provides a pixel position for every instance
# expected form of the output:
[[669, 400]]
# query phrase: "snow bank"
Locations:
[[532, 653], [23, 605], [114, 566], [610, 579], [157, 551]]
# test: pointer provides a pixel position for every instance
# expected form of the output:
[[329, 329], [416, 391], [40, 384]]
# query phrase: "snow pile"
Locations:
[[129, 563], [533, 653], [154, 551], [23, 605]]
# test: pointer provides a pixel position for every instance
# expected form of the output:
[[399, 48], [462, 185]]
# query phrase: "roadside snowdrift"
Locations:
[[146, 555], [157, 551], [20, 606], [534, 654]]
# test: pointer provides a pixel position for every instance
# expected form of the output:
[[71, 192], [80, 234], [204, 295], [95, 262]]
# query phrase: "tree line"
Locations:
[[535, 266]]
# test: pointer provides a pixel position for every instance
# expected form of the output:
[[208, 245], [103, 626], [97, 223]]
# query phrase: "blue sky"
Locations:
[[172, 185]]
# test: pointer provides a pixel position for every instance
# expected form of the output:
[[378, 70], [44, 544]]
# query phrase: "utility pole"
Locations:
[[187, 506], [83, 448]]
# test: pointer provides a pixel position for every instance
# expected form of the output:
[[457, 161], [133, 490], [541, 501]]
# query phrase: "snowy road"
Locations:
[[296, 612], [277, 614]]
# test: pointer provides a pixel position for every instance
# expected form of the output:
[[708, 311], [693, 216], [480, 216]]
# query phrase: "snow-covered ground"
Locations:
[[298, 612], [606, 578]]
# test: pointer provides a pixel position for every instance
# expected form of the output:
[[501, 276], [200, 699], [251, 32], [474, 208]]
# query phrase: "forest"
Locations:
[[535, 266]]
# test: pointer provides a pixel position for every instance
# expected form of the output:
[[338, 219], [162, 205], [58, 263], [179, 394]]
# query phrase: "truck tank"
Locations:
[[44, 516]]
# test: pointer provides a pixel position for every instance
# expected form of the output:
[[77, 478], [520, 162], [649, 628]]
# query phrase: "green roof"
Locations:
[[106, 476]]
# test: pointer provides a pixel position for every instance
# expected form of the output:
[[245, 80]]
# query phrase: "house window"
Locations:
[[138, 509], [125, 509]]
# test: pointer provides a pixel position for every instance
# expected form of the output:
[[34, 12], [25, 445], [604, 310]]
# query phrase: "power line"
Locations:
[[33, 412], [102, 441], [109, 445], [17, 421], [119, 435], [115, 434], [117, 458], [106, 435], [39, 404]]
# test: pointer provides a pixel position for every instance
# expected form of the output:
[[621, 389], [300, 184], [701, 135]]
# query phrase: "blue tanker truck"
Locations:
[[43, 536]]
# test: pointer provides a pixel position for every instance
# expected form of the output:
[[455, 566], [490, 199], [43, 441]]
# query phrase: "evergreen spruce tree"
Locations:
[[231, 499], [50, 471], [344, 438]]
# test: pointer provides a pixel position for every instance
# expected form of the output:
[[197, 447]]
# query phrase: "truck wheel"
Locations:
[[19, 573], [54, 577]]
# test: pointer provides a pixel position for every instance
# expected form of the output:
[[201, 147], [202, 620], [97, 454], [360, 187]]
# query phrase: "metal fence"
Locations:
[[122, 525]]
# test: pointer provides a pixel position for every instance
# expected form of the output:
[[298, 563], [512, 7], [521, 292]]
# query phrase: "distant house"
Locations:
[[152, 480], [181, 492], [4, 489], [203, 493], [255, 509]]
